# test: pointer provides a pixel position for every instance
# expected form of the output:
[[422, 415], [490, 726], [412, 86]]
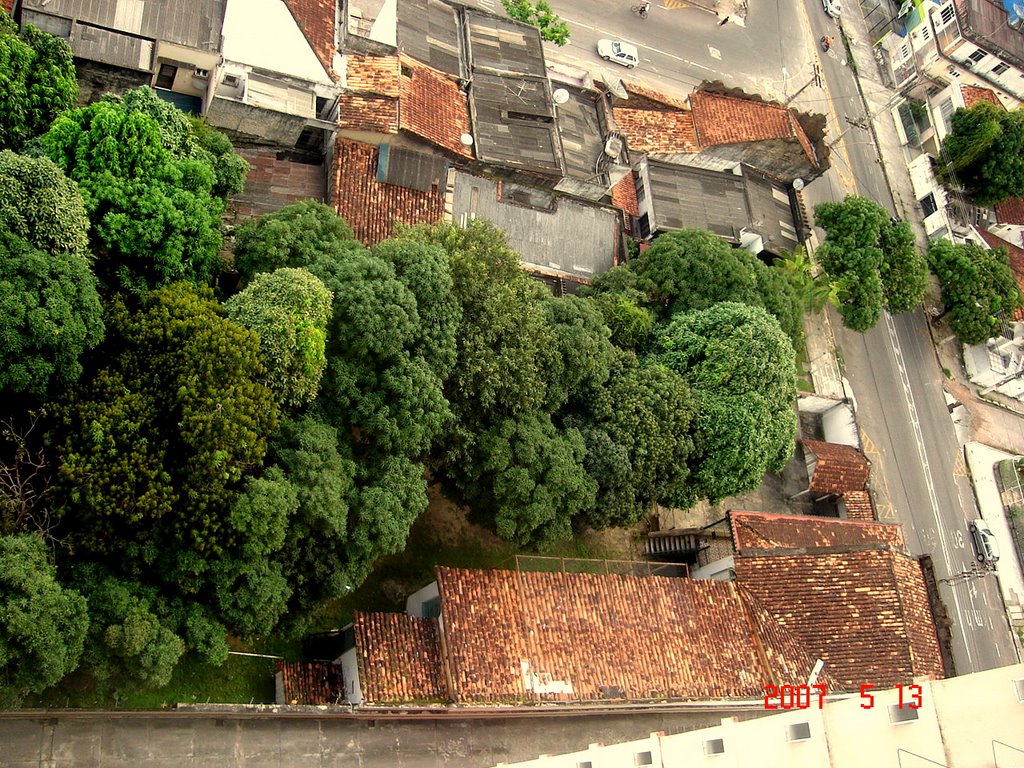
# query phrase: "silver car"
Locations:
[[984, 541], [621, 53], [832, 7]]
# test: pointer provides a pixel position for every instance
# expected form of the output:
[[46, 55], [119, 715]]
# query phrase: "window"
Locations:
[[904, 52], [926, 32], [928, 206], [1019, 685], [165, 77], [714, 747], [202, 73], [899, 715], [947, 14], [999, 68], [946, 110], [798, 732], [643, 758], [585, 764], [977, 56], [231, 81]]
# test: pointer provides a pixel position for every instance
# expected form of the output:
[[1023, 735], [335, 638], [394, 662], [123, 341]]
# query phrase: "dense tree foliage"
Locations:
[[49, 306], [152, 446], [37, 80], [871, 261], [637, 428], [694, 269], [288, 309], [42, 625], [740, 367], [984, 153], [540, 15], [150, 191], [978, 288]]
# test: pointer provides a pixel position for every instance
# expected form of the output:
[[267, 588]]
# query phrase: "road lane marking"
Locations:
[[617, 36], [959, 467], [919, 440]]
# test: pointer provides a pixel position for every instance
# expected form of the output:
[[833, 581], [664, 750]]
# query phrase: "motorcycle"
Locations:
[[826, 43]]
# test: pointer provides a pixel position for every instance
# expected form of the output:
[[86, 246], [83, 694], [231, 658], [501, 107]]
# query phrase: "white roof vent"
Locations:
[[466, 139], [560, 95]]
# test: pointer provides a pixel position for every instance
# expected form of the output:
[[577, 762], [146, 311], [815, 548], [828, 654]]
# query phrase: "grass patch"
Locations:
[[241, 679], [804, 382]]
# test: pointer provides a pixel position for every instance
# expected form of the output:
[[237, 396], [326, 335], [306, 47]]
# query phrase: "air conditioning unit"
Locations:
[[202, 74], [231, 81], [613, 146]]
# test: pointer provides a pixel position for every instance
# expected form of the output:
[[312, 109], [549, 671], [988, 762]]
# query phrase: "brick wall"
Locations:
[[273, 182]]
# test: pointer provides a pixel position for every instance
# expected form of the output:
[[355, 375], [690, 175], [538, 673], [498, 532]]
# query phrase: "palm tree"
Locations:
[[811, 283]]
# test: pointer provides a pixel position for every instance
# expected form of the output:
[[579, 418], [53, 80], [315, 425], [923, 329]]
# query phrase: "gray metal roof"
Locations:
[[428, 30], [503, 45], [581, 131], [684, 196], [771, 212], [408, 168], [553, 233], [513, 122], [196, 23]]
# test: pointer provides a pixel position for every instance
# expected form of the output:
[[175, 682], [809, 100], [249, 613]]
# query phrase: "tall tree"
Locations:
[[288, 309], [153, 446], [984, 153], [978, 288], [155, 216], [42, 624], [741, 369], [49, 306], [871, 261], [37, 79]]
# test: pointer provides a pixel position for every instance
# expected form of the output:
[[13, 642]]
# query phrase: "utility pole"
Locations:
[[863, 124], [815, 80]]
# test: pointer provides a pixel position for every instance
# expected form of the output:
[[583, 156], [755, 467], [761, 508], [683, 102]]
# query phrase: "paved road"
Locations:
[[682, 47], [919, 477]]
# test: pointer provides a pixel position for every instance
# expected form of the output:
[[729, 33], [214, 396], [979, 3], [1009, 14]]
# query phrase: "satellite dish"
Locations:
[[614, 83], [466, 139], [798, 184], [560, 95]]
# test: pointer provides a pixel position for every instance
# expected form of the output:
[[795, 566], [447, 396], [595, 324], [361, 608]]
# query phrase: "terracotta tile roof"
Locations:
[[398, 657], [973, 94], [721, 119], [866, 614], [859, 505], [432, 106], [657, 130], [755, 532], [624, 195], [514, 636], [1010, 211], [373, 74], [839, 468], [315, 684], [370, 207], [7, 5], [317, 19], [368, 112], [1016, 254]]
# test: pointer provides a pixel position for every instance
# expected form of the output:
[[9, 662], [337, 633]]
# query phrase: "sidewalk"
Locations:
[[982, 460]]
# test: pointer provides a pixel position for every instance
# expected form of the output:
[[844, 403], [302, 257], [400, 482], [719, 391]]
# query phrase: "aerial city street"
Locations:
[[411, 383]]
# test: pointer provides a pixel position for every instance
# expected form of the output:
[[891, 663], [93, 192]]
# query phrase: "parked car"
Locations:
[[984, 541], [832, 7], [621, 53]]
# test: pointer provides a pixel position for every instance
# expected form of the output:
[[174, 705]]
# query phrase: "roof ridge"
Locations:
[[904, 621]]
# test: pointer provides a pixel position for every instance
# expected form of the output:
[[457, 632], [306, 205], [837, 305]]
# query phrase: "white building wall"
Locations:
[[350, 674], [414, 602], [977, 709]]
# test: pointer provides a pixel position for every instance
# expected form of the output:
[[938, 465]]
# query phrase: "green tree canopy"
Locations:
[[869, 260], [741, 369], [984, 153], [551, 27], [155, 217], [637, 428], [153, 446], [694, 269], [37, 79], [288, 309], [49, 307], [42, 624], [978, 288]]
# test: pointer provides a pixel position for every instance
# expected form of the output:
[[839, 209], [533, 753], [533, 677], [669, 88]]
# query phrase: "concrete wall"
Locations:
[[95, 80], [350, 674], [414, 602], [254, 123]]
